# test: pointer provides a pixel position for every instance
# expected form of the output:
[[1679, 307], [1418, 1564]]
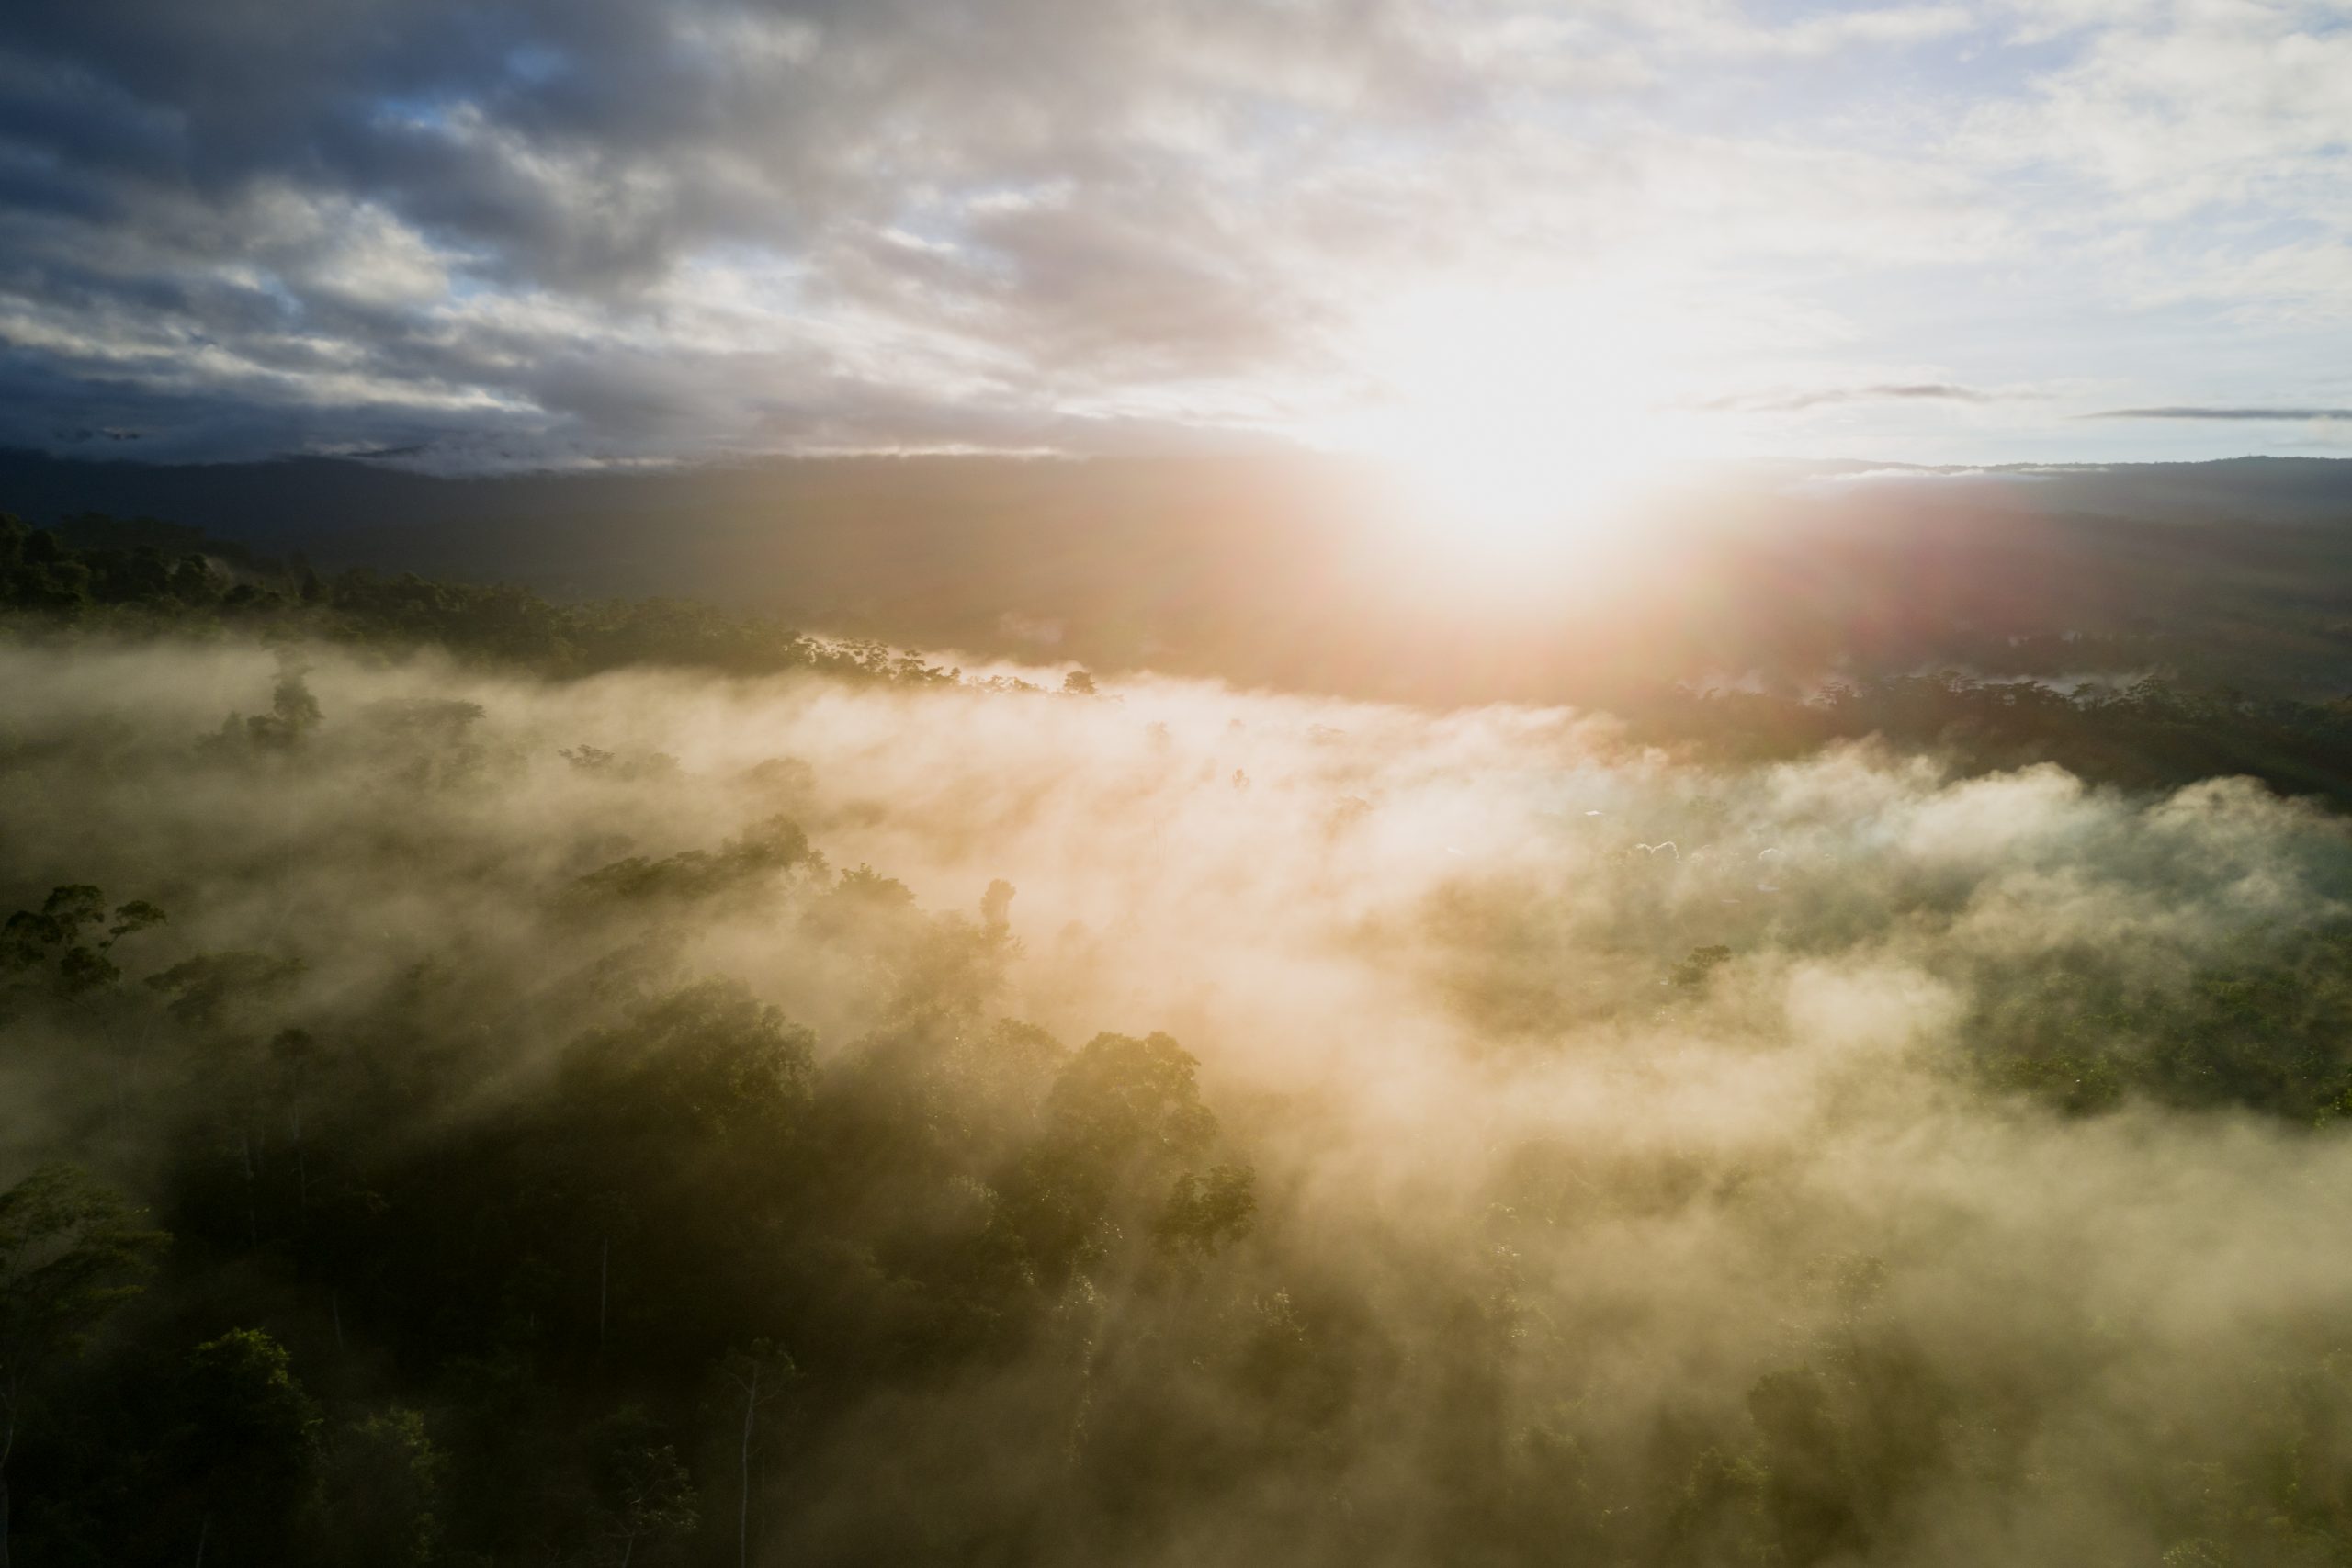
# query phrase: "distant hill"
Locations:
[[1287, 571]]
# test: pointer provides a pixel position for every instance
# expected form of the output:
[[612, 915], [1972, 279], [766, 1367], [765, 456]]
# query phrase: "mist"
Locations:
[[1366, 784], [1562, 1148]]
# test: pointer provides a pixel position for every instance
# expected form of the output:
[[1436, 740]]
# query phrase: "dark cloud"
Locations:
[[489, 216], [2196, 411], [682, 228]]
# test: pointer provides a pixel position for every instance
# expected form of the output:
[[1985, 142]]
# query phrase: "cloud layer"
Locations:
[[606, 230]]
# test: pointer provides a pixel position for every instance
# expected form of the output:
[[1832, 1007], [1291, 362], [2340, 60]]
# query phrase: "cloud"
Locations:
[[384, 184], [633, 228], [2222, 412], [1788, 403]]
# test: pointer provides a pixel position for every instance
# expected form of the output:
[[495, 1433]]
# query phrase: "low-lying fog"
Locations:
[[1618, 1122]]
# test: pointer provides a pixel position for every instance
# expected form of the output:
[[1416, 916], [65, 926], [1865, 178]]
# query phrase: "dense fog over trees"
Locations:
[[707, 1097], [1175, 783]]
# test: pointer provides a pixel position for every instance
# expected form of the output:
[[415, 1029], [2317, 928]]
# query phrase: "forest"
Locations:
[[492, 1078]]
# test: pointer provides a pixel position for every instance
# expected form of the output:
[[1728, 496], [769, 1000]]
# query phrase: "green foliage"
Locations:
[[152, 576], [1202, 1213], [541, 1307], [1691, 973], [1122, 1125], [246, 1440], [707, 1064], [380, 1494], [1122, 1100], [487, 1240], [2159, 732], [248, 1411], [1807, 1493], [71, 1251], [53, 951], [2265, 1032], [760, 852], [650, 1508]]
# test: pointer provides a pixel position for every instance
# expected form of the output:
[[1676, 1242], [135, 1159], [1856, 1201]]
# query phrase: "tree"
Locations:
[[758, 1376], [53, 945], [1123, 1123], [1201, 1212], [247, 1433], [649, 1508], [1122, 1099], [1691, 973], [380, 1507], [996, 906], [293, 711], [71, 1251], [1808, 1492]]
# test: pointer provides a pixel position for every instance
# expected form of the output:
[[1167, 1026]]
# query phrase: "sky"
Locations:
[[617, 231]]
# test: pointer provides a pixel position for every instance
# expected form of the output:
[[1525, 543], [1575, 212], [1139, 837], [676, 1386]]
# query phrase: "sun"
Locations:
[[1515, 420]]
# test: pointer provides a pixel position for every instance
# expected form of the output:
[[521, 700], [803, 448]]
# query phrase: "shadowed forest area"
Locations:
[[97, 576], [1299, 574], [488, 1079]]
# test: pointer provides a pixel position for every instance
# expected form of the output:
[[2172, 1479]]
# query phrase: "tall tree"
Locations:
[[758, 1376], [71, 1250]]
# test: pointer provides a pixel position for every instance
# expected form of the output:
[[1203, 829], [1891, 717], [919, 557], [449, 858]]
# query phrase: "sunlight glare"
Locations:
[[1518, 420]]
